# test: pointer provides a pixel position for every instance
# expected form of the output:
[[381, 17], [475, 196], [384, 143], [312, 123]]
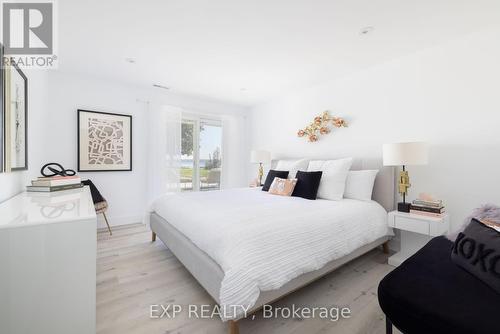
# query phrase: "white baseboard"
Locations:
[[117, 221]]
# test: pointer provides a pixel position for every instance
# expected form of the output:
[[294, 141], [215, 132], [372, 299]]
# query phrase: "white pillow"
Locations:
[[292, 166], [334, 177], [359, 184]]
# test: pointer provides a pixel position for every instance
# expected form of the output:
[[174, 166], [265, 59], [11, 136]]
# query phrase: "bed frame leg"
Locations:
[[388, 326], [153, 236], [385, 247], [233, 327]]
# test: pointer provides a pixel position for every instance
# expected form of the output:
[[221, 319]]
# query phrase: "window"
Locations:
[[201, 144]]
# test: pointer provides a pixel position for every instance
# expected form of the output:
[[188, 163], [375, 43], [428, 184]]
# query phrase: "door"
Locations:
[[201, 160]]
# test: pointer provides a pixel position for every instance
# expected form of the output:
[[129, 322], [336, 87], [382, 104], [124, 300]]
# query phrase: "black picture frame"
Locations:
[[14, 66], [80, 112]]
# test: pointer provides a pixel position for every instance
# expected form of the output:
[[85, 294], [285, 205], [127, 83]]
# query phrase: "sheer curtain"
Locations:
[[234, 151], [164, 150]]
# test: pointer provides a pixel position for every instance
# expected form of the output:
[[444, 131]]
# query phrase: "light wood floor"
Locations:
[[133, 273]]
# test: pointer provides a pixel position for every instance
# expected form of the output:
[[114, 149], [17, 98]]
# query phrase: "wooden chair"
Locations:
[[102, 207], [100, 203]]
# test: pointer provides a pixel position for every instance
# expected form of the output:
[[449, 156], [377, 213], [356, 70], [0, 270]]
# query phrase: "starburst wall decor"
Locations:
[[321, 126]]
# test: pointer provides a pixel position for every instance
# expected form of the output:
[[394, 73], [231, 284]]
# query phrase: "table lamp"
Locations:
[[260, 157], [404, 154]]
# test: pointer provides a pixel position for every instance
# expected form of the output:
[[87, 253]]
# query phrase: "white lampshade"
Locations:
[[399, 154], [260, 156]]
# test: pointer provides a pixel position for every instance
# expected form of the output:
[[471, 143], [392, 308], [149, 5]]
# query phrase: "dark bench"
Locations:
[[429, 294]]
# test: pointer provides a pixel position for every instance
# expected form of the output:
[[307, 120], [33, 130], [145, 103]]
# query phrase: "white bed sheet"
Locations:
[[262, 241]]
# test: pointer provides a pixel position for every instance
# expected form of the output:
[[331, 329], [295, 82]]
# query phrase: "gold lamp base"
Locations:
[[403, 185], [261, 173]]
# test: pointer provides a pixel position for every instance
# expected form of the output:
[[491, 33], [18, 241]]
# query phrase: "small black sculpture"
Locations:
[[60, 170]]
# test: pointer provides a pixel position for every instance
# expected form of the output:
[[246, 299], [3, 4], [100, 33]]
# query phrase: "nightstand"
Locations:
[[416, 231]]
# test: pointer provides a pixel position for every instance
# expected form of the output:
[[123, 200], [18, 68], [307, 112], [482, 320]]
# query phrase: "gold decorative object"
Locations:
[[404, 183], [260, 157], [321, 126], [261, 173]]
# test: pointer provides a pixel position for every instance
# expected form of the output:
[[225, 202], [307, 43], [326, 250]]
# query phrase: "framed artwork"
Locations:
[[15, 118], [104, 142], [2, 114]]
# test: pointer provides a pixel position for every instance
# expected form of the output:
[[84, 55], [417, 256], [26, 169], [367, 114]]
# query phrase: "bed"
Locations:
[[247, 247]]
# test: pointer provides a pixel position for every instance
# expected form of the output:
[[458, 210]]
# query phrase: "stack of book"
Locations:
[[55, 183], [430, 208]]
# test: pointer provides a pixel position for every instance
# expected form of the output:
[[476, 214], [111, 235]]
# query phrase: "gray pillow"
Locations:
[[477, 250], [488, 211]]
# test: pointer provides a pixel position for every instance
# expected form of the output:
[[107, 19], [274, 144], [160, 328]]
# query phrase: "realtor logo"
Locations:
[[28, 28], [29, 33]]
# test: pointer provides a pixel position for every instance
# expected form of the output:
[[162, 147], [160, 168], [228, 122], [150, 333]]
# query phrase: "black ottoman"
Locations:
[[429, 294]]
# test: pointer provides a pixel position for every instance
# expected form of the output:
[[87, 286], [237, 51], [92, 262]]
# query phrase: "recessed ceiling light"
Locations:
[[130, 60], [367, 30], [161, 86]]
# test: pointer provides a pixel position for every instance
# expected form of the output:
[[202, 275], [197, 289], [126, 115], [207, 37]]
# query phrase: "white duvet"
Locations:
[[262, 241]]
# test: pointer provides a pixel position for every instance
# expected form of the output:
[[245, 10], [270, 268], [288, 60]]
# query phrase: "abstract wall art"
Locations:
[[2, 109], [321, 125], [14, 109], [104, 141]]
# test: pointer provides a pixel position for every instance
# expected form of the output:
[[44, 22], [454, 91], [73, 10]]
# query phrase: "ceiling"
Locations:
[[245, 52]]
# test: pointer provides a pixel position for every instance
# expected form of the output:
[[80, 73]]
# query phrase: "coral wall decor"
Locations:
[[321, 126]]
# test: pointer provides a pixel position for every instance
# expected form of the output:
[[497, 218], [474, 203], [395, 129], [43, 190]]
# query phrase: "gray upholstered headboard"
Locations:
[[385, 183]]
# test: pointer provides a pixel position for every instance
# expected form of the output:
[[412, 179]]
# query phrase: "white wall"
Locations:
[[126, 192], [13, 183], [447, 95]]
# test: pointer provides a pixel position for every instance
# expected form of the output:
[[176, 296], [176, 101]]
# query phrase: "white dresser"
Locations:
[[48, 263]]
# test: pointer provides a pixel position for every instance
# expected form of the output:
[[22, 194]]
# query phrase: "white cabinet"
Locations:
[[48, 263], [416, 231]]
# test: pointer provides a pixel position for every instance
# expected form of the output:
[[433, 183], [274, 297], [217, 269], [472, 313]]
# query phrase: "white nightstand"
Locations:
[[416, 231]]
